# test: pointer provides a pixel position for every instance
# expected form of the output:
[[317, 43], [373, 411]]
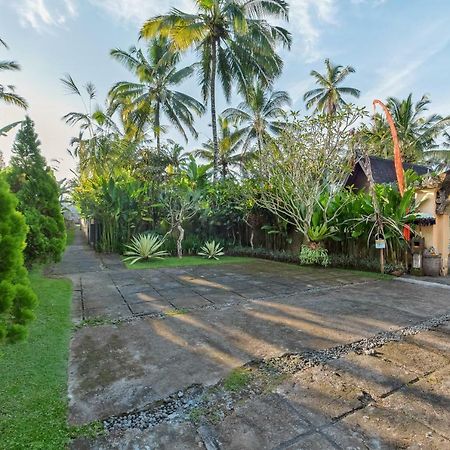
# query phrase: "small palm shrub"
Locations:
[[144, 247], [211, 250], [314, 255]]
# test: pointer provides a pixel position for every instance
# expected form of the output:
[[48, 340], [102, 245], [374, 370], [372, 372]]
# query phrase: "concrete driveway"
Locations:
[[149, 338]]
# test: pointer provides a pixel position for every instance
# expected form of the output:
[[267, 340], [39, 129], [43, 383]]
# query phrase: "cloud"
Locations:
[[307, 18], [137, 11], [44, 14], [398, 75]]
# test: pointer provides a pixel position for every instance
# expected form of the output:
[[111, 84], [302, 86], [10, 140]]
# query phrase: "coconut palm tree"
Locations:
[[230, 143], [153, 94], [7, 94], [417, 132], [328, 97], [259, 115], [234, 41], [97, 131], [175, 155]]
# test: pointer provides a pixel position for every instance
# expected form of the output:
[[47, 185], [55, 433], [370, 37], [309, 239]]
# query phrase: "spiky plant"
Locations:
[[144, 247], [211, 250]]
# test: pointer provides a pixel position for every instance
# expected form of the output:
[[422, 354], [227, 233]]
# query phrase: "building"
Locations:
[[383, 172], [433, 196]]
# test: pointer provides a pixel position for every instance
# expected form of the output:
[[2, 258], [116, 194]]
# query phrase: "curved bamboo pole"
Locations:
[[397, 154], [397, 157]]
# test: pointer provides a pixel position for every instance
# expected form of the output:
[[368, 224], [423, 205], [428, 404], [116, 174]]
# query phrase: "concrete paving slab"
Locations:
[[116, 311], [148, 295], [437, 341], [190, 301], [321, 394], [247, 427], [373, 374], [427, 401], [414, 358], [310, 441], [384, 428]]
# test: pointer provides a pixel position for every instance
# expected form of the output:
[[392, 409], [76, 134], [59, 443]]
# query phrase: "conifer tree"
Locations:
[[38, 193], [17, 300]]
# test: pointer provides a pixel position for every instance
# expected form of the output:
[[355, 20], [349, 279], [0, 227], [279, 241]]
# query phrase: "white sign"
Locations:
[[380, 243]]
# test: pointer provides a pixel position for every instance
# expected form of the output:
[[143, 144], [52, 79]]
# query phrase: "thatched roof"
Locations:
[[383, 170]]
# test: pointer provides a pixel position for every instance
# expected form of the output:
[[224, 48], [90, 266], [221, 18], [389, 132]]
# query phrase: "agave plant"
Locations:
[[144, 247], [211, 250]]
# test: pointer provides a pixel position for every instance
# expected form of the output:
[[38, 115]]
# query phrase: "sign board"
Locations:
[[380, 243]]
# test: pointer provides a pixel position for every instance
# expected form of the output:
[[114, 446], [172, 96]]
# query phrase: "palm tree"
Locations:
[[417, 132], [328, 97], [260, 114], [7, 94], [152, 94], [98, 133], [230, 142], [175, 155], [234, 41]]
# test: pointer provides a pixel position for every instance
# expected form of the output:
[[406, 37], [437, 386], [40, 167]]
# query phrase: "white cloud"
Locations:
[[399, 73], [137, 11], [307, 18], [44, 14]]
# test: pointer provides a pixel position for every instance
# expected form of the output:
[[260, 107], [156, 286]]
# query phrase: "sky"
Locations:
[[395, 46]]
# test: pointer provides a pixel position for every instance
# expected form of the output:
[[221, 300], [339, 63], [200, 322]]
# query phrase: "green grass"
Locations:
[[237, 380], [33, 374], [173, 261]]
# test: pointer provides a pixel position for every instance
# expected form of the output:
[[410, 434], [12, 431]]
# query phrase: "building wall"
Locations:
[[438, 235]]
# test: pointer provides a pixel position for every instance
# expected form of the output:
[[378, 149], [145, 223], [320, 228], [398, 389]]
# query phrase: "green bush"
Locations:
[[191, 244], [17, 300], [264, 253], [314, 255], [347, 261], [38, 193]]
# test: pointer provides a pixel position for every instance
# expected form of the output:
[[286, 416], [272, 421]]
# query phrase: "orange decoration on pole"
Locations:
[[397, 157]]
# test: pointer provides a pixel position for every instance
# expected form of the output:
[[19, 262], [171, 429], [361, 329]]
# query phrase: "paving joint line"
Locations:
[[120, 293]]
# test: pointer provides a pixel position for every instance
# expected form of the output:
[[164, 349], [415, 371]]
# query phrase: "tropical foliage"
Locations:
[[143, 102], [418, 133], [328, 97], [211, 250], [230, 142], [263, 176], [7, 93], [259, 116], [234, 41], [144, 247]]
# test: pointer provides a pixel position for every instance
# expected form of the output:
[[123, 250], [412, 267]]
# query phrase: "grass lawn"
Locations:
[[33, 374], [173, 261]]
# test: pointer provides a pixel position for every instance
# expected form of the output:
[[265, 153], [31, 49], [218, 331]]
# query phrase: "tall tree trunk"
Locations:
[[180, 240], [157, 129], [213, 107]]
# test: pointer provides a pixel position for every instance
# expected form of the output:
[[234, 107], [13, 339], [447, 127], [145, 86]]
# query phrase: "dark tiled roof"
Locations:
[[383, 170]]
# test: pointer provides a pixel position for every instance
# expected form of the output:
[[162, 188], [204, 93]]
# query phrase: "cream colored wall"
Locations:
[[436, 236]]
